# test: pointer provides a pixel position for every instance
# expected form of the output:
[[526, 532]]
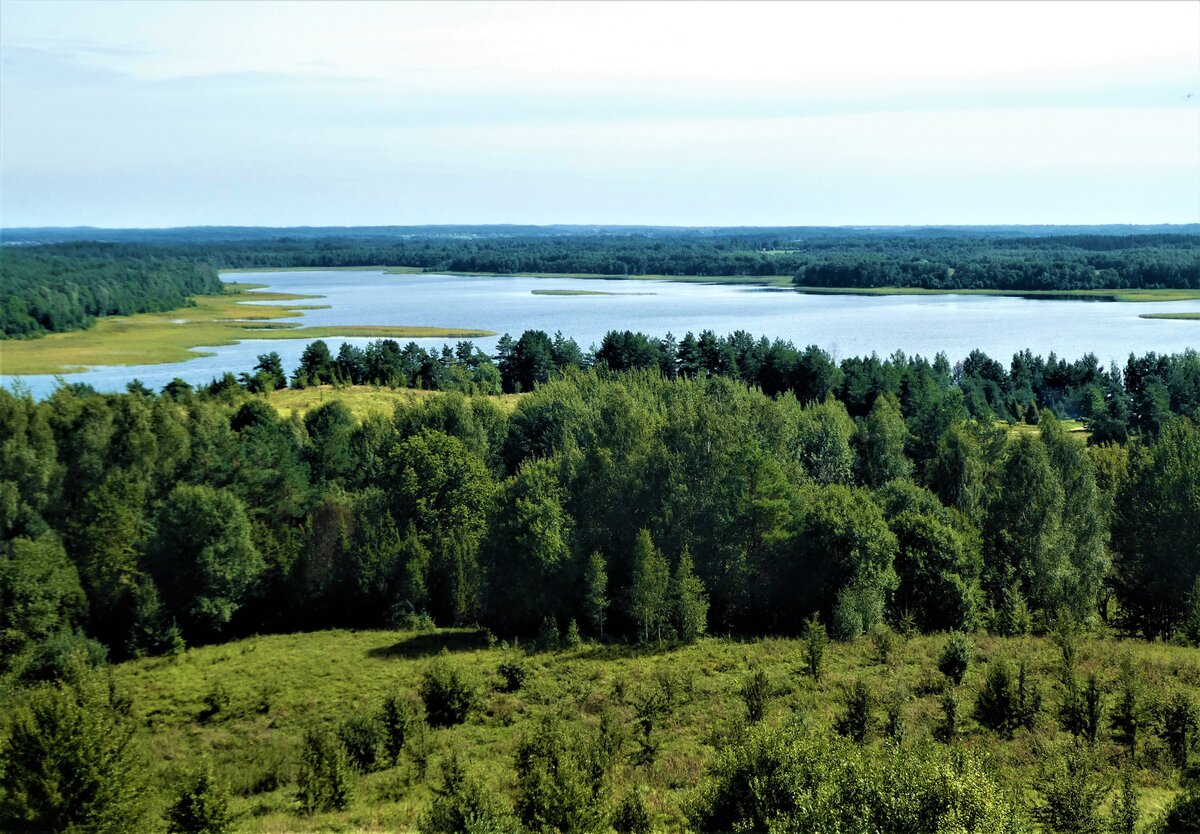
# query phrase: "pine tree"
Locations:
[[202, 806]]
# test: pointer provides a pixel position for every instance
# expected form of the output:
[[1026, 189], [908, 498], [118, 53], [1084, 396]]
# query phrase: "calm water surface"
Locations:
[[843, 325]]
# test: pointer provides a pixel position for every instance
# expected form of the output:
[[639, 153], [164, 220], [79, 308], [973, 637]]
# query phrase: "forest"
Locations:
[[64, 286], [646, 496]]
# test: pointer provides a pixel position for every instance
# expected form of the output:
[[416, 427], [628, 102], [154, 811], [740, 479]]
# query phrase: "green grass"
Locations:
[[278, 685], [1177, 316], [1074, 428], [361, 400], [175, 335]]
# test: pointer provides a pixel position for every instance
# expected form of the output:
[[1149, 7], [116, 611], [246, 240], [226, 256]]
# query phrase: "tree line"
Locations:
[[68, 286], [62, 286], [637, 505]]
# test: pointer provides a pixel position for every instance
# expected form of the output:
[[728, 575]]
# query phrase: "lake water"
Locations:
[[844, 325]]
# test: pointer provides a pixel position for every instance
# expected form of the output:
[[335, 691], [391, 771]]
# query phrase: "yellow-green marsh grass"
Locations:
[[1175, 316], [362, 400], [175, 335]]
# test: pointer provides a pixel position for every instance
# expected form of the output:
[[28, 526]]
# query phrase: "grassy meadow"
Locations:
[[176, 335], [267, 690], [361, 400]]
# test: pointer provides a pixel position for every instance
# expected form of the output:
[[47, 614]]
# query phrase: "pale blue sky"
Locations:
[[259, 113]]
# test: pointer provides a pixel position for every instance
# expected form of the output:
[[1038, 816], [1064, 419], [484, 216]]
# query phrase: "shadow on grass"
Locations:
[[431, 643]]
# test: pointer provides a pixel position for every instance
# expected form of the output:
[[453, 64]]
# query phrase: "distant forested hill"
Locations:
[[65, 287], [61, 286]]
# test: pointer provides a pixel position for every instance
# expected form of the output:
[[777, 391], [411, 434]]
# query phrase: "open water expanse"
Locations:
[[844, 325]]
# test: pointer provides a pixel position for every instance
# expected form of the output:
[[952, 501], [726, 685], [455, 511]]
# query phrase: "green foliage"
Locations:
[[57, 288], [1183, 815], [781, 779], [562, 780], [1125, 812], [595, 599], [365, 739], [688, 601], [447, 692], [463, 806], [1081, 712], [40, 595], [514, 674], [632, 816], [855, 720], [324, 779], [572, 639], [1071, 796], [403, 720], [1156, 531], [881, 439], [69, 763], [946, 730], [756, 694], [955, 658], [1179, 725], [1129, 712], [548, 636], [203, 558], [1005, 703], [648, 592], [201, 806], [815, 643]]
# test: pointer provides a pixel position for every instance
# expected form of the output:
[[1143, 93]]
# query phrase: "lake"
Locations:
[[844, 325]]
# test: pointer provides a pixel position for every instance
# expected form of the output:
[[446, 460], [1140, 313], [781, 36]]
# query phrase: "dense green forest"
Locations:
[[723, 486], [66, 287]]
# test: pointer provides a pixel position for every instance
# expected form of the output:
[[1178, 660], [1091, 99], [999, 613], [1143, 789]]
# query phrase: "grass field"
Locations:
[[175, 335], [1177, 316], [278, 685], [361, 400]]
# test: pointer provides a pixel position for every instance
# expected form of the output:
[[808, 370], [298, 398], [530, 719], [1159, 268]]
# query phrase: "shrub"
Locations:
[[562, 780], [364, 738], [447, 694], [1128, 713], [1125, 811], [815, 642], [202, 806], [1071, 797], [855, 722], [1183, 814], [462, 806], [1004, 705], [947, 729], [514, 674], [955, 658], [779, 779], [632, 816], [1179, 726], [1082, 710], [883, 642], [403, 719], [67, 760], [756, 692], [324, 779], [572, 639], [894, 724], [548, 635]]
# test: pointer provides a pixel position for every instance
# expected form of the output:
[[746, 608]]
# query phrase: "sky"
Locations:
[[162, 114]]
